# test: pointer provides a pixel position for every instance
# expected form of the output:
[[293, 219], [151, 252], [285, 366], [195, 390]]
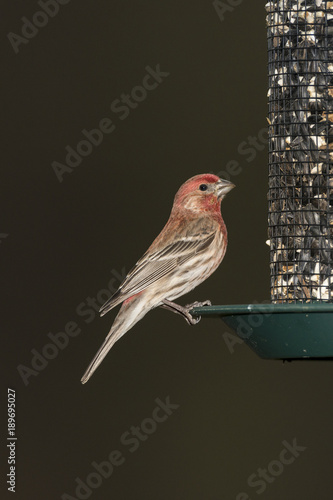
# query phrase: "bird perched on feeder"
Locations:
[[186, 252]]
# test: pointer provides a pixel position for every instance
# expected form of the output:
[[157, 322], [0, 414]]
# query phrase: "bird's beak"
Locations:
[[223, 187]]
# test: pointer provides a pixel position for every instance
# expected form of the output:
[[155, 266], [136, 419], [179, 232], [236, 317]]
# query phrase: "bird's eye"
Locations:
[[203, 187]]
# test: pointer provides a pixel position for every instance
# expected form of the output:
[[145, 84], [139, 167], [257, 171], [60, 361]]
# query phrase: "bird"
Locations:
[[187, 251]]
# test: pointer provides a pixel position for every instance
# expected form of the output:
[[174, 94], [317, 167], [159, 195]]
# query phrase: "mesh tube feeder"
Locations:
[[298, 323]]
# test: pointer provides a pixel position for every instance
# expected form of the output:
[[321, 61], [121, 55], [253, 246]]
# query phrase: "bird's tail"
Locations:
[[130, 313]]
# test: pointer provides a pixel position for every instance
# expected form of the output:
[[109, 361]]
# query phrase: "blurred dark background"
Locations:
[[63, 242]]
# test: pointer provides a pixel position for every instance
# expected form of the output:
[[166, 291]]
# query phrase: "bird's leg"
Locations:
[[185, 310], [178, 309]]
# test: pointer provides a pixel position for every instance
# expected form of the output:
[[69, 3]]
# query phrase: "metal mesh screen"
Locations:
[[300, 69]]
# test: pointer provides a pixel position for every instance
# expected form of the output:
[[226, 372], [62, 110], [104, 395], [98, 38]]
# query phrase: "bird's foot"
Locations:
[[191, 320], [198, 304], [189, 307], [185, 311]]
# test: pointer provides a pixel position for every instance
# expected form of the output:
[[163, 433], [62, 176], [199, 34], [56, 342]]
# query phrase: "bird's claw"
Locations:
[[185, 310], [195, 320], [191, 320], [198, 304]]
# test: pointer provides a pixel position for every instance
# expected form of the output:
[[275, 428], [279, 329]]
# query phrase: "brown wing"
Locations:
[[154, 266]]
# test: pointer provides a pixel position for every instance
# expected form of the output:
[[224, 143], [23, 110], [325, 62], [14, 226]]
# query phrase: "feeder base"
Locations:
[[280, 331]]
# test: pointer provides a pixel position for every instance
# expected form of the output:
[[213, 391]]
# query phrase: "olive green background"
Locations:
[[67, 240]]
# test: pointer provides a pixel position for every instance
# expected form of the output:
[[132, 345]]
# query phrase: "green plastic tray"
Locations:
[[280, 331]]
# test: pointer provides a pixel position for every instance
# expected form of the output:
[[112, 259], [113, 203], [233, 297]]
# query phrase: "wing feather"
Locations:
[[154, 266]]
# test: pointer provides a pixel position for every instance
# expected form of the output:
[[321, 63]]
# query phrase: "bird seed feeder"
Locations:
[[298, 323]]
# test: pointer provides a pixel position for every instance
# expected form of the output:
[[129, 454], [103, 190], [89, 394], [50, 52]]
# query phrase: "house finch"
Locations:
[[188, 250]]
